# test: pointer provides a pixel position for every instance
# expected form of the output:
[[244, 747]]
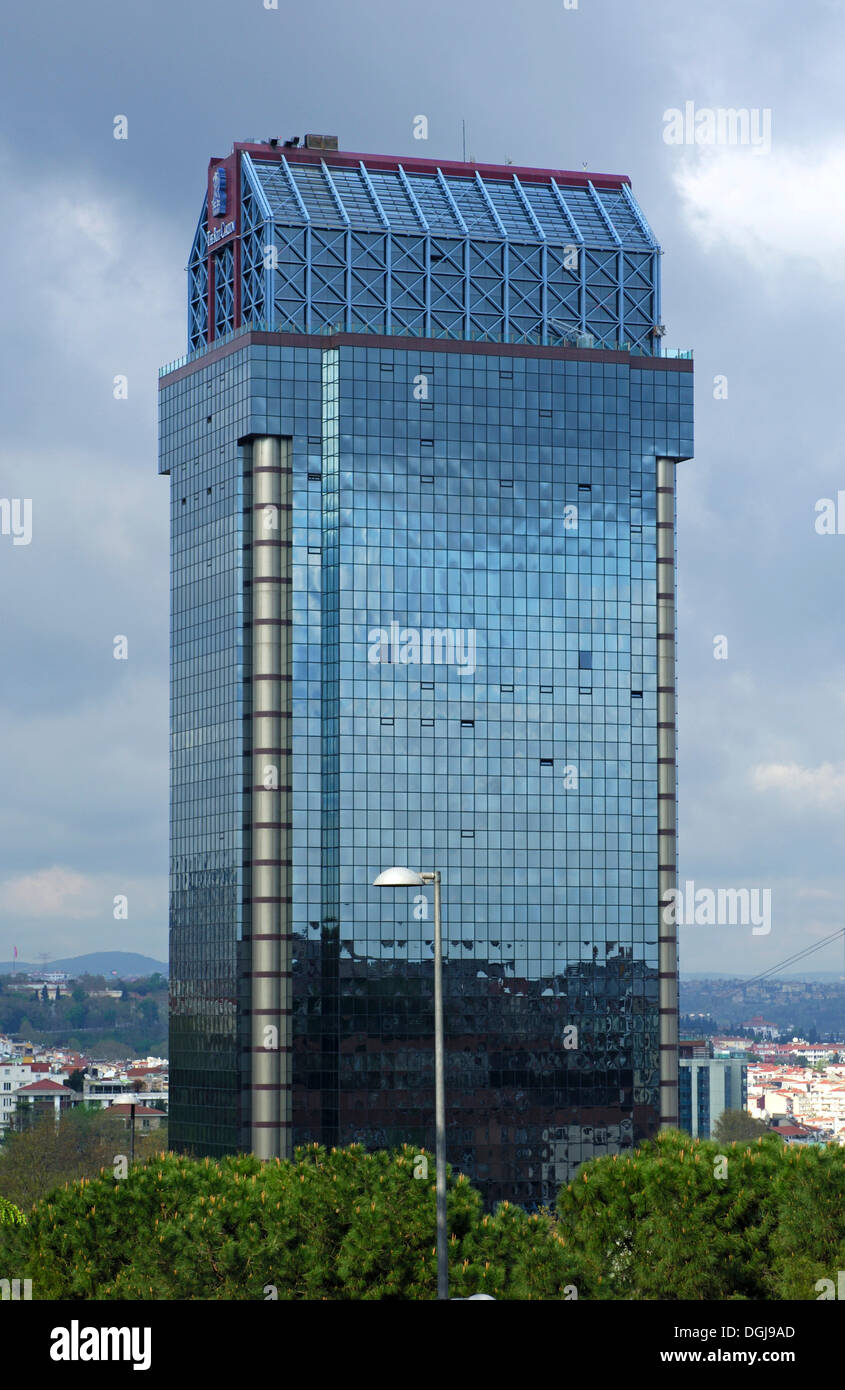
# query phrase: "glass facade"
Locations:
[[474, 688], [706, 1089]]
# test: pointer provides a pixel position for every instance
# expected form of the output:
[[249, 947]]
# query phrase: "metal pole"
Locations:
[[440, 1102]]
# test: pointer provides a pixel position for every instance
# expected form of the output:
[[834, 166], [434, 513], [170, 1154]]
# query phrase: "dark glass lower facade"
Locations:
[[473, 642]]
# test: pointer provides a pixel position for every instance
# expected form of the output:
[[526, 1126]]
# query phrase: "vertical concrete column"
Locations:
[[667, 792], [270, 1002]]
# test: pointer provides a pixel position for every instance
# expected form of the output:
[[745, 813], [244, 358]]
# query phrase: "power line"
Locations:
[[799, 955], [792, 960]]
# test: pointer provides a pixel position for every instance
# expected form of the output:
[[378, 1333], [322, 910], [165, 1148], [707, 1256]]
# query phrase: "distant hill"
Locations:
[[128, 965], [807, 975]]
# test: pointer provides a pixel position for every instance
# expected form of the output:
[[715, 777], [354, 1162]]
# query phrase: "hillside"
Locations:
[[128, 965]]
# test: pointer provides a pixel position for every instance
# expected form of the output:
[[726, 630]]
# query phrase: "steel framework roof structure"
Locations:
[[374, 244]]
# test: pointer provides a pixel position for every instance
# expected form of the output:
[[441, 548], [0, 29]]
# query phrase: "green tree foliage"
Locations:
[[42, 1156], [809, 1242], [689, 1219], [332, 1225], [677, 1218], [736, 1125], [10, 1215]]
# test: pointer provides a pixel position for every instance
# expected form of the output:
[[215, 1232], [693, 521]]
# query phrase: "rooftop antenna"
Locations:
[[464, 140]]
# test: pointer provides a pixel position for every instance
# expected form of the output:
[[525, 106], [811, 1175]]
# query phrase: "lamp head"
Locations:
[[398, 878]]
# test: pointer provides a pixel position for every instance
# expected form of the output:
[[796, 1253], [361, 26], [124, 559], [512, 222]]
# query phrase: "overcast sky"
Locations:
[[96, 234]]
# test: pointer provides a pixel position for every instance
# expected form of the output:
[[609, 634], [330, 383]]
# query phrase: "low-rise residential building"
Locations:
[[795, 1134], [810, 1098], [142, 1082], [15, 1075], [758, 1024], [46, 1096], [107, 1085], [147, 1117]]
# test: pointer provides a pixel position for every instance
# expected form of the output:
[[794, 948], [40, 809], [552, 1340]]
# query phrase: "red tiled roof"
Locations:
[[47, 1087]]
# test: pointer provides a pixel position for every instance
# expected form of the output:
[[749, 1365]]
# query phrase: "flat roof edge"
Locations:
[[262, 338], [414, 164]]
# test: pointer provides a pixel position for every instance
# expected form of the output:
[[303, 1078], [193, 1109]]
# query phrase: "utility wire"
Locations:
[[790, 960]]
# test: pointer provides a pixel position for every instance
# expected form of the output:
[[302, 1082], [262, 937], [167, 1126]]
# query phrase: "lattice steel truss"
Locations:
[[198, 285], [396, 252], [224, 290], [256, 247]]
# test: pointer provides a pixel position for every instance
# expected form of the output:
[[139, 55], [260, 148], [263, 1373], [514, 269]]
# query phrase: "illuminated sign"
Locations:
[[219, 232], [218, 192]]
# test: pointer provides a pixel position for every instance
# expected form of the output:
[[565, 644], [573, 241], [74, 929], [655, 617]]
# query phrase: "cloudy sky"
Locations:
[[96, 233]]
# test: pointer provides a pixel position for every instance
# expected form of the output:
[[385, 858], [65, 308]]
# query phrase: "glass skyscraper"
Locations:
[[422, 464]]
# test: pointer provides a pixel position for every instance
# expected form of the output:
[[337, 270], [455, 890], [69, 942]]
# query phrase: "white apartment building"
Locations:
[[14, 1074]]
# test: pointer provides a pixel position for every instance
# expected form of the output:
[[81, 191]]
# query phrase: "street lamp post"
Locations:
[[409, 878]]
